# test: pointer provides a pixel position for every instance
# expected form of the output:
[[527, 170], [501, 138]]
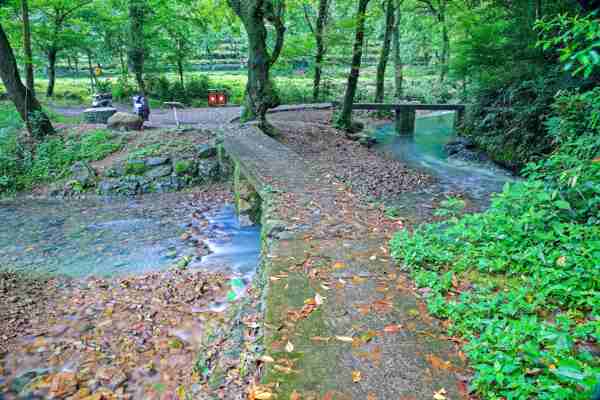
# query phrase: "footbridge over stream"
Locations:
[[406, 113], [331, 291]]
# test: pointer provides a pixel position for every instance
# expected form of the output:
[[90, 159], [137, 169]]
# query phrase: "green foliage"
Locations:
[[450, 207], [577, 40], [509, 121], [123, 89], [20, 169], [531, 297], [183, 167], [161, 88], [104, 86]]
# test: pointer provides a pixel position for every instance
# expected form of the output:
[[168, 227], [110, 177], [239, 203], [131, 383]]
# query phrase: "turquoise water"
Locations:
[[425, 151], [96, 237]]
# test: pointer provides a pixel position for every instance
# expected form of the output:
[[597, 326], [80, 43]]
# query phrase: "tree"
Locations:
[[27, 46], [54, 35], [344, 121], [318, 30], [136, 41], [37, 122], [260, 92], [398, 66], [439, 9], [390, 9]]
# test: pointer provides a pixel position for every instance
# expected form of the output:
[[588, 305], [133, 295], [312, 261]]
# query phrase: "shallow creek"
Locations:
[[425, 151], [135, 284], [108, 237]]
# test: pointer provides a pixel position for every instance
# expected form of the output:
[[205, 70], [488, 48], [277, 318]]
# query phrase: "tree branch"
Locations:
[[307, 18]]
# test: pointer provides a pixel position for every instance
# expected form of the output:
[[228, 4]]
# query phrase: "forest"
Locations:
[[300, 199]]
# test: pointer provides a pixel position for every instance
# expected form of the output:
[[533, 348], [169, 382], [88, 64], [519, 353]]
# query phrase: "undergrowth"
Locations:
[[521, 281], [21, 169]]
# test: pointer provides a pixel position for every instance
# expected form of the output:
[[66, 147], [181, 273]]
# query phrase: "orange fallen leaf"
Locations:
[[356, 376], [295, 395], [394, 328], [371, 396], [438, 363], [339, 265]]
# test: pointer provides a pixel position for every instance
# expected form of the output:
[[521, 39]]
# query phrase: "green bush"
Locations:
[[123, 90], [520, 281], [20, 169]]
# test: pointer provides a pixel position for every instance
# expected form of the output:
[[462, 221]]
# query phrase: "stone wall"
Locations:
[[155, 174]]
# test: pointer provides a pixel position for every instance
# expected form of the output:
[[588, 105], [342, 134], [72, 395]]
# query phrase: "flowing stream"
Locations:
[[425, 151], [120, 236]]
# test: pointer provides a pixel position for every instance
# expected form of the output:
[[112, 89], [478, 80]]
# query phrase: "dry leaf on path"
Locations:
[[440, 395], [289, 347], [356, 376]]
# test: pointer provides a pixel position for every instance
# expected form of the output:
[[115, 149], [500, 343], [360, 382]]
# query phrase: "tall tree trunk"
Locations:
[[93, 80], [180, 70], [29, 79], [136, 41], [260, 92], [345, 119], [124, 68], [77, 64], [320, 41], [52, 52], [385, 51], [38, 123], [398, 67], [445, 56]]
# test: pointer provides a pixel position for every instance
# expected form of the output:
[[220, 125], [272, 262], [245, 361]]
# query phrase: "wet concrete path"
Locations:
[[341, 321]]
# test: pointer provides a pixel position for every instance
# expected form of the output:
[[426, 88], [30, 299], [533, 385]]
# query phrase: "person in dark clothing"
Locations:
[[141, 107]]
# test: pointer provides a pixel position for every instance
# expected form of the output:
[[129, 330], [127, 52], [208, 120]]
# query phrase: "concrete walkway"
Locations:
[[340, 321]]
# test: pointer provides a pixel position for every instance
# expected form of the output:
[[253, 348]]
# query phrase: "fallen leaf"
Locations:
[[371, 396], [289, 347], [295, 395], [319, 299], [339, 265], [346, 339], [438, 363], [356, 376], [267, 359], [440, 395], [394, 328]]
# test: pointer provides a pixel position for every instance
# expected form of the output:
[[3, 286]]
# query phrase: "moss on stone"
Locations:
[[135, 167], [184, 167]]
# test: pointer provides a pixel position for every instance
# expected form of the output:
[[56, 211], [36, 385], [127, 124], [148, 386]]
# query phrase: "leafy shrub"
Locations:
[[123, 89], [529, 301], [508, 122], [20, 169], [197, 87]]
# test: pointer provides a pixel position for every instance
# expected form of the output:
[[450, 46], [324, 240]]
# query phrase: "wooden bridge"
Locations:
[[406, 113]]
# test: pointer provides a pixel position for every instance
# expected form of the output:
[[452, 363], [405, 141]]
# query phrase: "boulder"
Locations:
[[83, 173], [135, 167], [156, 161], [159, 172], [126, 121], [208, 170], [99, 115]]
